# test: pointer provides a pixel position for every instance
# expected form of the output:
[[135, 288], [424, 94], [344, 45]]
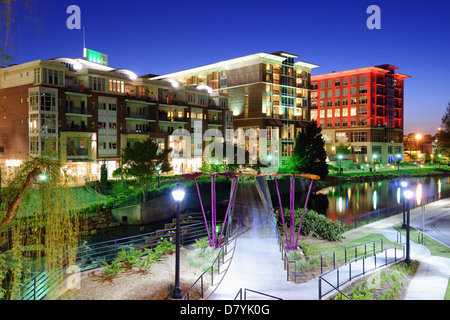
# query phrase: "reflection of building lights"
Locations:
[[374, 200], [439, 187], [419, 193], [340, 204], [399, 195]]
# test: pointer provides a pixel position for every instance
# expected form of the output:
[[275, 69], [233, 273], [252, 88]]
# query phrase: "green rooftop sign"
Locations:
[[94, 56]]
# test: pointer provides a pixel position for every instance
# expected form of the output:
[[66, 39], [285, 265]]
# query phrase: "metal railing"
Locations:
[[373, 216], [92, 256], [242, 294], [358, 267]]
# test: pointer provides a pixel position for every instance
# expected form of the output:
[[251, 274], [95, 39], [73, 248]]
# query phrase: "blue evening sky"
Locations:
[[158, 37]]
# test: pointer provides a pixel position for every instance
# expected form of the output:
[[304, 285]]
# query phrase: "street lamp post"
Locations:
[[408, 195], [398, 161], [374, 160], [340, 166], [178, 195], [158, 169], [404, 184]]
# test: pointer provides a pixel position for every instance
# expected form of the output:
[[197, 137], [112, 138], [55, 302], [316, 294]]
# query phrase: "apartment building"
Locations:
[[362, 109], [266, 91], [89, 111]]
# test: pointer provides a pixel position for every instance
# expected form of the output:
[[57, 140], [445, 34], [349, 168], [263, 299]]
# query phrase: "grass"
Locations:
[[402, 171], [436, 248], [447, 293], [389, 284]]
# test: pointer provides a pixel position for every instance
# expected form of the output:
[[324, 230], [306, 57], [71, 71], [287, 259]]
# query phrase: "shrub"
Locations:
[[315, 224], [202, 243]]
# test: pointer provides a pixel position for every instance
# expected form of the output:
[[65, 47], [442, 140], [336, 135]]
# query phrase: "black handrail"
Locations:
[[364, 270], [257, 292]]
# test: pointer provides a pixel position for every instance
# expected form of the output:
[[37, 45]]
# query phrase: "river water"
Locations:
[[349, 200], [336, 202]]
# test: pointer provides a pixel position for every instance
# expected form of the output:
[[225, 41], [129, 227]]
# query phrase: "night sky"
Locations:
[[160, 37]]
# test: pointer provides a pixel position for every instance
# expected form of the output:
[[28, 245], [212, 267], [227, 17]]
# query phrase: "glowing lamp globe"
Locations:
[[178, 193], [408, 194], [404, 184]]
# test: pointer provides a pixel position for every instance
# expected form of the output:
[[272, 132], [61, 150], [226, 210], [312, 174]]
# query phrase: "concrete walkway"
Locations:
[[432, 277], [254, 260]]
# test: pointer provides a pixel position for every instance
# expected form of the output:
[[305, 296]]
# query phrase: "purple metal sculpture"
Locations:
[[214, 240], [292, 241]]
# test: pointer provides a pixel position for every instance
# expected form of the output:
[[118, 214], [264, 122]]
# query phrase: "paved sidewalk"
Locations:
[[432, 277], [254, 260]]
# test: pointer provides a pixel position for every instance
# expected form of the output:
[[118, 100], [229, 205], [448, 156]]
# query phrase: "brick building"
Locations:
[[89, 111], [266, 91], [363, 109]]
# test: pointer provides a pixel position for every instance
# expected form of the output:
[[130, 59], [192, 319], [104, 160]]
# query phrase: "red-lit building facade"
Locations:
[[362, 109]]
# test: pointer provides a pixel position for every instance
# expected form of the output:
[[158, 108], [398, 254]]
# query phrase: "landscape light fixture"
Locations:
[[408, 195], [340, 156], [404, 184], [178, 195]]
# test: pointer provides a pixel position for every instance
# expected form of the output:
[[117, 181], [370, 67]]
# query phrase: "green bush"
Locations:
[[315, 224], [202, 243]]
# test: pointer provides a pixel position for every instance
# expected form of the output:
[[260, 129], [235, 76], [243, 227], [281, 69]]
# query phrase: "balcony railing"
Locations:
[[77, 128], [79, 110], [210, 121], [77, 152], [141, 99], [78, 89], [172, 119], [136, 115], [138, 131]]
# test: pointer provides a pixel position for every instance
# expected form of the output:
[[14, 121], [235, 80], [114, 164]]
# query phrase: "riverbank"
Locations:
[[383, 174]]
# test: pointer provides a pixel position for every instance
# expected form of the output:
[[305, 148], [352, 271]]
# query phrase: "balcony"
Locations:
[[78, 90], [163, 117], [140, 116], [140, 99], [77, 152], [215, 122], [80, 111], [130, 131], [77, 128], [168, 102]]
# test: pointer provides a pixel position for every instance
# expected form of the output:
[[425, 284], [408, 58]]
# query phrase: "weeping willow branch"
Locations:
[[14, 205]]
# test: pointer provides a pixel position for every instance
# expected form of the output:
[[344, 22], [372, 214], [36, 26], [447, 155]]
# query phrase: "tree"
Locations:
[[143, 157], [343, 149], [309, 154], [228, 165], [443, 136]]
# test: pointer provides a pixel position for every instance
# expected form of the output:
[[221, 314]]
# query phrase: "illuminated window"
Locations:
[[353, 111], [337, 112], [329, 113], [313, 114], [345, 112]]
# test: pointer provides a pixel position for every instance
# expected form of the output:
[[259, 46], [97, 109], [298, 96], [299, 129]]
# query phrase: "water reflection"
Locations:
[[357, 198]]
